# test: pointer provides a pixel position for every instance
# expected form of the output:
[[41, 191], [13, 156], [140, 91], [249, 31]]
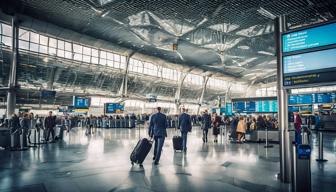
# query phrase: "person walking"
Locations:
[[185, 126], [206, 125], [49, 124], [241, 129], [158, 126], [297, 126], [215, 126]]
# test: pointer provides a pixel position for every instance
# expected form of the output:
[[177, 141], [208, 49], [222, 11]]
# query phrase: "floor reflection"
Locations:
[[100, 162]]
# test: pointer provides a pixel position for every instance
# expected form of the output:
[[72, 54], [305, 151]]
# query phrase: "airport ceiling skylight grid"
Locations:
[[233, 37]]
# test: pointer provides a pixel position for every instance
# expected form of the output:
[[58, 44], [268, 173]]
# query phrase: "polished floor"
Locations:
[[101, 163]]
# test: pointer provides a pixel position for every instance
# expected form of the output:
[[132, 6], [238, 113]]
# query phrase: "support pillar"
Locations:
[[178, 92], [123, 87], [52, 76], [200, 101], [285, 144], [11, 94]]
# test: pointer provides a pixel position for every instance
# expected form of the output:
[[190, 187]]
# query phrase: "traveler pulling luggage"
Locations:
[[141, 151], [177, 143]]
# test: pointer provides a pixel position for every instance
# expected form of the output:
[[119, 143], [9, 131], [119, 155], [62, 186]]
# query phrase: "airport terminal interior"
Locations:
[[167, 95]]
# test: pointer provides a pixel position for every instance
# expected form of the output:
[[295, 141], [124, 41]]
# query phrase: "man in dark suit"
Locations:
[[206, 125], [49, 124], [185, 127], [157, 129]]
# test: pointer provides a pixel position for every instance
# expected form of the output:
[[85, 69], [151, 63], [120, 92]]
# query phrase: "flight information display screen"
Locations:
[[308, 68], [81, 102], [228, 109], [309, 56], [300, 99], [256, 106], [309, 38], [114, 107], [239, 106], [324, 98]]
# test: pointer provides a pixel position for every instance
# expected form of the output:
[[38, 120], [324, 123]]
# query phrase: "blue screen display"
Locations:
[[259, 106], [300, 99], [239, 106], [310, 62], [81, 102], [267, 106], [114, 108], [48, 94], [250, 106], [324, 97], [309, 38], [228, 109], [293, 108]]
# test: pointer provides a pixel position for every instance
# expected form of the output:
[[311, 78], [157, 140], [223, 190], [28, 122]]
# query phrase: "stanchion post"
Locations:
[[320, 149], [267, 145]]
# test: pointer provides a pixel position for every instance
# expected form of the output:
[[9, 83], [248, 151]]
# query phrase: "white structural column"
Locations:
[[178, 92], [200, 100], [11, 95], [123, 87], [285, 144], [50, 84]]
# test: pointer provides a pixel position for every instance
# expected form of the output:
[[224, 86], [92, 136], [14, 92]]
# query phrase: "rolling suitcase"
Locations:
[[140, 151], [177, 143]]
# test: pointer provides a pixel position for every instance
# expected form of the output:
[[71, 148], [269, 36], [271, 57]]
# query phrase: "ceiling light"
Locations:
[[266, 13], [244, 47], [266, 53], [106, 13], [46, 59]]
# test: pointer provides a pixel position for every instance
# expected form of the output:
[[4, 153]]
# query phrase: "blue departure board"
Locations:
[[250, 106], [293, 108], [300, 99], [258, 106], [239, 106], [228, 109], [313, 61], [114, 107], [81, 102], [309, 38], [324, 97]]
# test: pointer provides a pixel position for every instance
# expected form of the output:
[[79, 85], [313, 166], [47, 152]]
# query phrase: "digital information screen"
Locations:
[[267, 106], [308, 68], [48, 94], [228, 109], [302, 65], [239, 106], [300, 99], [258, 106], [114, 108], [81, 102], [324, 98], [309, 38], [293, 108]]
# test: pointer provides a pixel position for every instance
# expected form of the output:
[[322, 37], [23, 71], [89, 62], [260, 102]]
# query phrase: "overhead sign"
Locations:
[[81, 102], [309, 38], [300, 99], [309, 68], [114, 107], [255, 106], [309, 56]]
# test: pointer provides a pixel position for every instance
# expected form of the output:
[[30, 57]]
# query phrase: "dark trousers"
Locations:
[[158, 144], [184, 136], [205, 135], [52, 131], [298, 137]]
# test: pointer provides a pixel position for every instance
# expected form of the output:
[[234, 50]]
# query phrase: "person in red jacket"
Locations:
[[297, 126]]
